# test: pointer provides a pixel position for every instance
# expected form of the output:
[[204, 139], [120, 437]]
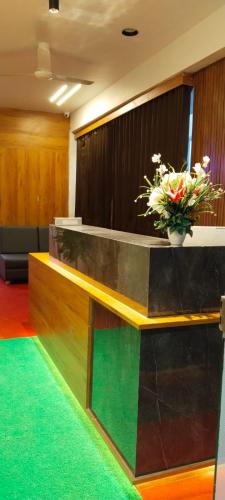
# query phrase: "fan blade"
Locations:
[[16, 74], [71, 79], [43, 57]]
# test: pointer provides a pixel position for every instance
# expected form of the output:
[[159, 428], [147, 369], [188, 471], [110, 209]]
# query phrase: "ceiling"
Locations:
[[86, 42]]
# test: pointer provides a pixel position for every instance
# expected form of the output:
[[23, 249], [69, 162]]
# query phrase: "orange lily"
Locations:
[[178, 193]]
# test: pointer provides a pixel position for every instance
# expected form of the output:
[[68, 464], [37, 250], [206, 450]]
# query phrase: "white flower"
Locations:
[[175, 176], [199, 170], [155, 196], [162, 169], [155, 199], [165, 180], [156, 158], [172, 178], [188, 179], [206, 161]]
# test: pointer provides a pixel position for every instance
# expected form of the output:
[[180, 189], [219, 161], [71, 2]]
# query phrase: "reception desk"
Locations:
[[150, 382]]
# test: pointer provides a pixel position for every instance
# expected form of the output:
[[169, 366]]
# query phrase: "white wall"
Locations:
[[72, 173], [203, 43]]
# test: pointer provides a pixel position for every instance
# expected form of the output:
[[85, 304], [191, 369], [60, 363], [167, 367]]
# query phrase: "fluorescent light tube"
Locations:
[[69, 94], [58, 93]]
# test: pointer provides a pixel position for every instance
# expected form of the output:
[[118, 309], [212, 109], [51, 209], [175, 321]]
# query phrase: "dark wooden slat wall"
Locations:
[[94, 179], [209, 130], [112, 160], [161, 125]]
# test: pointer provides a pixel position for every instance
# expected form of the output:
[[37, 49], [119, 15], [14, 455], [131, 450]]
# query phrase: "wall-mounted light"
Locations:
[[54, 6], [69, 94], [58, 93]]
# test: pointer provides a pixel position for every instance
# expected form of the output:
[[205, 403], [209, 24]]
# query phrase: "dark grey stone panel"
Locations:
[[179, 393], [159, 278]]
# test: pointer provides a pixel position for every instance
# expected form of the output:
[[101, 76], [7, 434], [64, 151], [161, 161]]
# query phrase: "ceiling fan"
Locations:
[[44, 71]]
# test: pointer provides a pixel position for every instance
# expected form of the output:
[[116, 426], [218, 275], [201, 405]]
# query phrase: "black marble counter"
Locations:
[[159, 278]]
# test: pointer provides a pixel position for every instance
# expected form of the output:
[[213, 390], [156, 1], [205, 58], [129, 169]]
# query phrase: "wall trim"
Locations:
[[162, 88]]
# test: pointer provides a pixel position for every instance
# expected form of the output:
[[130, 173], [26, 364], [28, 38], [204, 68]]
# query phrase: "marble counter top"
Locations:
[[131, 238]]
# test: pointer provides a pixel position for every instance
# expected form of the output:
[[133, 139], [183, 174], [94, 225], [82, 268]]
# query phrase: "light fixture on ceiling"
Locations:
[[58, 93], [130, 32], [54, 6], [69, 94]]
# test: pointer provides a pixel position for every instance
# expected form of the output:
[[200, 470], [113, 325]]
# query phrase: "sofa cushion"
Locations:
[[14, 275], [43, 235], [18, 239], [14, 260]]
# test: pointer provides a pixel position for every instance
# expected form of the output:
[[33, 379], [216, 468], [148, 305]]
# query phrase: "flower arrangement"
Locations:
[[179, 197]]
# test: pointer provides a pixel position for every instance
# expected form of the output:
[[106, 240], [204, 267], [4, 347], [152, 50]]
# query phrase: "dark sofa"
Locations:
[[15, 244]]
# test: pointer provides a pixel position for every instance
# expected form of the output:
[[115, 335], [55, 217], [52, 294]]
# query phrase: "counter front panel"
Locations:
[[156, 392], [179, 386]]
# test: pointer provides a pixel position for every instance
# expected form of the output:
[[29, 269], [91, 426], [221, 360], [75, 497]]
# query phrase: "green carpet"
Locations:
[[48, 447]]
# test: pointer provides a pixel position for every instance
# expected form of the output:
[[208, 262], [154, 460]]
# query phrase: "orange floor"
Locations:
[[194, 485], [14, 311]]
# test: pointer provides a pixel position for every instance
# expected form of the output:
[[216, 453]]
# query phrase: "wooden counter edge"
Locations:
[[125, 312]]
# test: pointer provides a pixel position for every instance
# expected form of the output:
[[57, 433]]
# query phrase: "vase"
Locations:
[[176, 239]]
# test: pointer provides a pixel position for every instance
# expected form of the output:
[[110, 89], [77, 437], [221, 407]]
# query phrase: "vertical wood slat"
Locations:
[[33, 167], [209, 130], [59, 312], [93, 179]]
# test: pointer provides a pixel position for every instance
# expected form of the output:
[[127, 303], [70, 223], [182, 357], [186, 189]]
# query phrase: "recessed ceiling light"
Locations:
[[58, 93], [54, 6], [130, 32], [69, 94]]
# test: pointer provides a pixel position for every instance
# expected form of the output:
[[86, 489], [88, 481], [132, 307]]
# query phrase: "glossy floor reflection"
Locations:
[[193, 485], [14, 313]]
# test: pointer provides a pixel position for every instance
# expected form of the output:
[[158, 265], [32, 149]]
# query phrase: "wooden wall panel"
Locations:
[[33, 167], [209, 130], [60, 314], [19, 128]]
